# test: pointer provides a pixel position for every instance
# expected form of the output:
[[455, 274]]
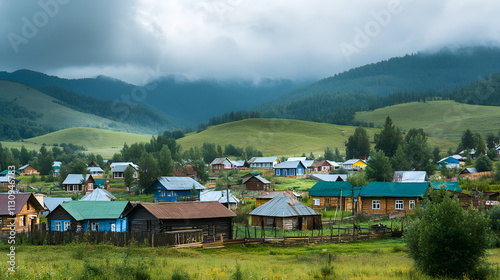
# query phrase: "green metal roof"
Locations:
[[6, 171], [100, 182], [333, 189], [95, 210], [449, 186], [392, 189]]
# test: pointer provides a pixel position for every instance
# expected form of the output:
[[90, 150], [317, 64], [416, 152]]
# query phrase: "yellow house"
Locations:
[[354, 164]]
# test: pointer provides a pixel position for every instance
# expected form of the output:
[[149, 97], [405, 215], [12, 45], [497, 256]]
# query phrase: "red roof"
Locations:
[[187, 210]]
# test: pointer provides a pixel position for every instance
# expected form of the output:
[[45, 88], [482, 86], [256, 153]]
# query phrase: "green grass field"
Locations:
[[379, 259], [446, 120], [98, 141]]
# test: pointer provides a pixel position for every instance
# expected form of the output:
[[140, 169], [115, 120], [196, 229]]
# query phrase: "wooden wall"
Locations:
[[254, 184], [288, 223], [26, 213], [387, 205]]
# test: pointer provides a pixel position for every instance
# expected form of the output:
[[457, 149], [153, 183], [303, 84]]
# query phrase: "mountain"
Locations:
[[27, 112], [185, 103]]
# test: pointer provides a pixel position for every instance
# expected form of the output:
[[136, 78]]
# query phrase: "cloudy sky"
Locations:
[[138, 40]]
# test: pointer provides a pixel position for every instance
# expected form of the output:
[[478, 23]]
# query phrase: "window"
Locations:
[[316, 201], [21, 221], [67, 225], [412, 204], [90, 186], [113, 227], [300, 172], [162, 193], [375, 204], [94, 226], [400, 204], [170, 193], [57, 226], [327, 200]]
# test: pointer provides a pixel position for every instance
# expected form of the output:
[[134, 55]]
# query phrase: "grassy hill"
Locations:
[[445, 120], [53, 114], [282, 137], [98, 141]]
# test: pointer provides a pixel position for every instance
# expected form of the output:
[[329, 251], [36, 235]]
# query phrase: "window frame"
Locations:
[[411, 204], [400, 203], [57, 226], [316, 202], [66, 225], [376, 203]]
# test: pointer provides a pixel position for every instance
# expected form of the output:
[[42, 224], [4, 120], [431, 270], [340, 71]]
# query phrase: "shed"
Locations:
[[90, 216], [286, 213], [254, 182], [211, 216]]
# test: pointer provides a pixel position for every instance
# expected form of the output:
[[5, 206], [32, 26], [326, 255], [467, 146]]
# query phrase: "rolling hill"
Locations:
[[282, 137], [98, 141], [445, 119]]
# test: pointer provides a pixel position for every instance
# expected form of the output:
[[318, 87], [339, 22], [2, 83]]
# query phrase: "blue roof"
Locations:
[[449, 186], [289, 164]]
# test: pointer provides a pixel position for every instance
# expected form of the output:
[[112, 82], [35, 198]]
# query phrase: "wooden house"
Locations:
[[290, 169], [118, 171], [254, 182], [467, 171], [172, 189], [286, 213], [96, 172], [323, 166], [27, 170], [268, 195], [210, 216], [89, 216], [6, 181], [339, 195], [224, 197], [391, 197], [19, 209], [354, 165], [221, 164], [76, 183], [263, 162]]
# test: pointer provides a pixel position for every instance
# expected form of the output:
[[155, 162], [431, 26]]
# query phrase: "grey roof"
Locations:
[[258, 177], [352, 161], [307, 163], [221, 161], [220, 196], [263, 159], [238, 163], [95, 169], [288, 164], [56, 163], [296, 158], [410, 176], [329, 177], [98, 195], [333, 163], [179, 183], [121, 168], [52, 202], [114, 164], [471, 170], [75, 179], [283, 206], [459, 157], [23, 167]]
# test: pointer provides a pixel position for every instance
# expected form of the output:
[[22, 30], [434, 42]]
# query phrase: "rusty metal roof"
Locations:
[[283, 206], [187, 210]]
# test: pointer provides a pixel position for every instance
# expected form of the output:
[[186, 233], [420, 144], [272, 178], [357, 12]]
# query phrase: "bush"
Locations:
[[494, 215], [446, 240], [180, 275]]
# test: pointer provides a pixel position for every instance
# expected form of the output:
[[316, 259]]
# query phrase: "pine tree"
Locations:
[[389, 138]]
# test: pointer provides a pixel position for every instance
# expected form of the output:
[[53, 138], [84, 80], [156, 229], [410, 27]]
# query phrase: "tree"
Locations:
[[358, 144], [25, 155], [379, 168], [200, 168], [389, 138], [467, 142], [445, 239], [418, 154], [483, 163], [338, 157], [328, 154], [311, 156], [45, 161], [128, 177], [491, 140], [479, 144], [436, 155], [165, 162], [209, 152], [148, 171]]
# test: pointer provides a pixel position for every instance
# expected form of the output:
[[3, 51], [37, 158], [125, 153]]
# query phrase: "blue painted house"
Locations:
[[90, 216], [449, 162], [173, 189], [290, 168]]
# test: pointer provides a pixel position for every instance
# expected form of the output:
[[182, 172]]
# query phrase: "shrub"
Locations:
[[180, 275], [238, 274], [494, 215], [443, 227]]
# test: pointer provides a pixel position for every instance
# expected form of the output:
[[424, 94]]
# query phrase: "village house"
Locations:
[[410, 176], [76, 183], [210, 216], [172, 189], [254, 182], [337, 195], [6, 181], [263, 162], [98, 194], [56, 168], [329, 177], [268, 195], [449, 162], [119, 171], [25, 212], [354, 164], [467, 171], [221, 164], [285, 213], [323, 166], [290, 169], [221, 197], [391, 197], [27, 170], [89, 216], [96, 172], [186, 171]]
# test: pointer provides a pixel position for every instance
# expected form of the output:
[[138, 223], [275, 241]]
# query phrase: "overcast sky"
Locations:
[[136, 41]]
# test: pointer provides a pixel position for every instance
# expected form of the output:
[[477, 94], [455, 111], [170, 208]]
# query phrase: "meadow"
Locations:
[[377, 259]]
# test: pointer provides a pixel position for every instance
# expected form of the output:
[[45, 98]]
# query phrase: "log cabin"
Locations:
[[23, 212], [254, 182], [338, 195], [391, 197]]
